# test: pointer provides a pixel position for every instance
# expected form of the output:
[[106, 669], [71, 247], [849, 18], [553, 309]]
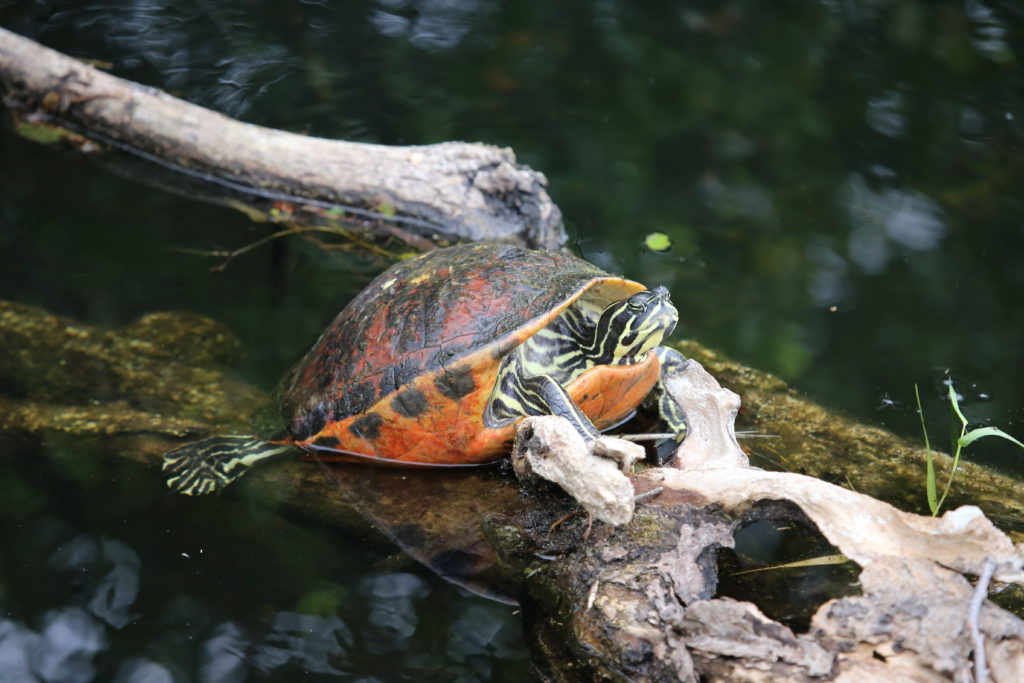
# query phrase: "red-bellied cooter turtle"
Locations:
[[439, 358]]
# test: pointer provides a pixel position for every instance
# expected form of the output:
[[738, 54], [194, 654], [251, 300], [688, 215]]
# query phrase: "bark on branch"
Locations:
[[445, 192]]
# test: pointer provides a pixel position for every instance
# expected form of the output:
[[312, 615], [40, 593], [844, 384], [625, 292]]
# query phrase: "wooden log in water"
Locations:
[[635, 601], [421, 195]]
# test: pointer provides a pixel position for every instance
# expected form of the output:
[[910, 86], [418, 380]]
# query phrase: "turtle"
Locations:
[[439, 358]]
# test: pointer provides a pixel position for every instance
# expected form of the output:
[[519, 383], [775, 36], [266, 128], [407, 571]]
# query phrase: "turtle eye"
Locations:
[[634, 306]]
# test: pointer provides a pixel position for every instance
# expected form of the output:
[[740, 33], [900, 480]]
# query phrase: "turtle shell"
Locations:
[[406, 369]]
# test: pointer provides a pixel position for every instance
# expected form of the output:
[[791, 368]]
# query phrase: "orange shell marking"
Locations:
[[607, 394]]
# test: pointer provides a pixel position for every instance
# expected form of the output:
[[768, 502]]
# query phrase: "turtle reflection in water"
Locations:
[[439, 358]]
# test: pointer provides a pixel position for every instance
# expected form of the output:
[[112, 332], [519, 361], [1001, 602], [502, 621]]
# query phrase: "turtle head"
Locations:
[[633, 326]]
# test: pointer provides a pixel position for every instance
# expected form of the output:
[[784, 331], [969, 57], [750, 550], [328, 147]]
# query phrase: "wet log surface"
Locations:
[[419, 195], [636, 601]]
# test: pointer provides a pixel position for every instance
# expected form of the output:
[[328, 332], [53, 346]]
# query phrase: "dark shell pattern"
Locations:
[[419, 318]]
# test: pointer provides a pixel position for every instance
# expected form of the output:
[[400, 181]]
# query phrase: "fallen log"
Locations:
[[649, 610], [421, 195], [635, 601]]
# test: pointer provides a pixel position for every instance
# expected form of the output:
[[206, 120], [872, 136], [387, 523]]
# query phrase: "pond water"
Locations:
[[839, 180]]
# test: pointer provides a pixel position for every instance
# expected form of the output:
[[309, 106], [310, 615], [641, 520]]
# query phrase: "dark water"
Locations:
[[840, 181]]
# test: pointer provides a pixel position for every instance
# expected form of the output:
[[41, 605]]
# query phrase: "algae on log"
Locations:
[[634, 602], [420, 195]]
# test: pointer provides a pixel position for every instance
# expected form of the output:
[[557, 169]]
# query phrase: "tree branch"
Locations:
[[445, 192]]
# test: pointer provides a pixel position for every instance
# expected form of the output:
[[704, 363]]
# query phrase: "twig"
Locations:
[[647, 495], [665, 435], [645, 437], [304, 231], [973, 612], [564, 518]]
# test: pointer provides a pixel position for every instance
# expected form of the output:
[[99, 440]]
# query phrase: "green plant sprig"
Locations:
[[966, 438]]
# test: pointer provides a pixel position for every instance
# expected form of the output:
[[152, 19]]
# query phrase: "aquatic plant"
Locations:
[[966, 438]]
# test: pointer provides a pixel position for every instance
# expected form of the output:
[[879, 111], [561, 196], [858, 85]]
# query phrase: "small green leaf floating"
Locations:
[[658, 242]]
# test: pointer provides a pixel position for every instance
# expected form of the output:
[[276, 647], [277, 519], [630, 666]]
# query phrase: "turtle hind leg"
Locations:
[[211, 464], [671, 412]]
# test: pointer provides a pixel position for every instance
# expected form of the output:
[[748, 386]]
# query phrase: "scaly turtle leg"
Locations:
[[211, 464], [671, 412], [542, 395]]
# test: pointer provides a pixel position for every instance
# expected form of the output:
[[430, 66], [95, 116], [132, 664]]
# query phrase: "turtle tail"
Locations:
[[211, 464]]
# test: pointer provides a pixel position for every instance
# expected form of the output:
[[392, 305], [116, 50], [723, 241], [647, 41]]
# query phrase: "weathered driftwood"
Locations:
[[593, 474], [665, 623], [634, 601], [422, 195]]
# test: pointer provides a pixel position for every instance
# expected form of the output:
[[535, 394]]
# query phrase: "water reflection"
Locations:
[[885, 114], [829, 283], [80, 604], [223, 655], [61, 651], [429, 24], [882, 219], [972, 123], [746, 200], [480, 631], [105, 576], [392, 619], [309, 641], [143, 671], [989, 34], [113, 594], [204, 50], [106, 572]]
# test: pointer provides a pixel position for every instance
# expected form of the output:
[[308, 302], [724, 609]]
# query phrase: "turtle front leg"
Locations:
[[543, 395], [671, 412]]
